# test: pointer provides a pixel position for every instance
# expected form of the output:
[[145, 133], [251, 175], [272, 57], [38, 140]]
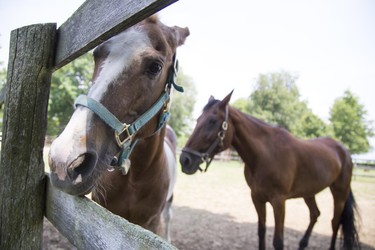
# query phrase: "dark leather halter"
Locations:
[[208, 156]]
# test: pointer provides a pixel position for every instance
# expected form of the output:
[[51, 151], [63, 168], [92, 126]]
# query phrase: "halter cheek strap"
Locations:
[[208, 155], [128, 131]]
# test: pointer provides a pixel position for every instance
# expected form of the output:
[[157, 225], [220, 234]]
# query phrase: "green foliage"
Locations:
[[67, 83], [348, 118], [3, 75], [242, 104], [276, 100], [3, 79], [312, 126], [182, 107]]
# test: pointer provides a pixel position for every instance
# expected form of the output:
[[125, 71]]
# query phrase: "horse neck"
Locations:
[[146, 165], [249, 134], [147, 154]]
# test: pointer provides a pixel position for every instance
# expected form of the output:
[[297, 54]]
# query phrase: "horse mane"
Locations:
[[253, 119], [259, 121]]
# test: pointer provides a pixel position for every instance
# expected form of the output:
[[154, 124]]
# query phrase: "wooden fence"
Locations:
[[35, 52], [362, 167], [364, 163]]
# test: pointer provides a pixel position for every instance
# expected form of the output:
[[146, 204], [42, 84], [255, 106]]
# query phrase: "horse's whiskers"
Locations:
[[100, 191]]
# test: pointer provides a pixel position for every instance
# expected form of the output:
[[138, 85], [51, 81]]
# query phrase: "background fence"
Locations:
[[362, 167]]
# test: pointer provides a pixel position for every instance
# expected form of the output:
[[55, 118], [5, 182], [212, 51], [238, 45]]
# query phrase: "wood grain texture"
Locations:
[[94, 226], [25, 121], [96, 21]]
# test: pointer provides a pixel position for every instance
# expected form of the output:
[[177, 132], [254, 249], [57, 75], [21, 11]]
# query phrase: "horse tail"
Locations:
[[348, 222]]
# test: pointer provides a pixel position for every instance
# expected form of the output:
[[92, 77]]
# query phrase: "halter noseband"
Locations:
[[128, 131], [219, 142]]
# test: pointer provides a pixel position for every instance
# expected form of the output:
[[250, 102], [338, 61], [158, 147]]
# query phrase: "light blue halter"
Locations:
[[128, 131]]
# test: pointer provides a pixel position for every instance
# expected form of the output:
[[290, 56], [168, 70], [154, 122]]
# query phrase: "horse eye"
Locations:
[[154, 68], [211, 123]]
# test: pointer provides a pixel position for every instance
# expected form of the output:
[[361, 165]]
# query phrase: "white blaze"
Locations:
[[123, 49], [63, 147]]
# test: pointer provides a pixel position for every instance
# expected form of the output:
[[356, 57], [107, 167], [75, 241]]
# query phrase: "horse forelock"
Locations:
[[210, 104]]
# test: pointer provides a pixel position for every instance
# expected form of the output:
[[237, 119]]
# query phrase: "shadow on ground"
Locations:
[[194, 229], [199, 229]]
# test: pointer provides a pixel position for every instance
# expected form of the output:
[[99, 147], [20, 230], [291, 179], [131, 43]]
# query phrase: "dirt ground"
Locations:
[[214, 211]]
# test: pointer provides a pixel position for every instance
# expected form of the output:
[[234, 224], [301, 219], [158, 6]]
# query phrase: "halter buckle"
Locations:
[[128, 137]]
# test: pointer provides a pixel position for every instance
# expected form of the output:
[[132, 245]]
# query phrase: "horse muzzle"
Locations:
[[190, 163], [74, 174]]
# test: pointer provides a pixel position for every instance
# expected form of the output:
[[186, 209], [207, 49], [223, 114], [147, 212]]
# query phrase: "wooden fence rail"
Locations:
[[94, 226], [33, 57], [96, 21]]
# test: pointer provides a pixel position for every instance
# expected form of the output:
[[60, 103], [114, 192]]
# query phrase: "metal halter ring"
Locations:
[[224, 126]]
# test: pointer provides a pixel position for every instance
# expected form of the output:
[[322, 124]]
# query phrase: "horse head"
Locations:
[[131, 75], [211, 135]]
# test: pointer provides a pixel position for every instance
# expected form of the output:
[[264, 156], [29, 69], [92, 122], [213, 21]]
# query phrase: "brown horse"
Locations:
[[119, 128], [277, 167]]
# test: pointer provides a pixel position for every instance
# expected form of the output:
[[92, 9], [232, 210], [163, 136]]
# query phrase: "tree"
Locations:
[[3, 75], [312, 126], [276, 100], [67, 83], [3, 79], [242, 104], [182, 107], [348, 118]]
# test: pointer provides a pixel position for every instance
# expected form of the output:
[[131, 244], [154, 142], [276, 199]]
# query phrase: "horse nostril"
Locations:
[[82, 167], [185, 160]]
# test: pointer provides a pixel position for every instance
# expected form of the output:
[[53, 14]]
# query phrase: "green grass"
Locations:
[[359, 174], [363, 181], [364, 175]]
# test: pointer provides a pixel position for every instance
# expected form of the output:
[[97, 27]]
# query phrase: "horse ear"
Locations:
[[211, 98], [226, 100], [181, 34]]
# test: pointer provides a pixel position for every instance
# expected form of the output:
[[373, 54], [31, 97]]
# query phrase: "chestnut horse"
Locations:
[[277, 167], [116, 144]]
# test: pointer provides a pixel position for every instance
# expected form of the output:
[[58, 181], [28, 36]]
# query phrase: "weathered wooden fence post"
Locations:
[[22, 185]]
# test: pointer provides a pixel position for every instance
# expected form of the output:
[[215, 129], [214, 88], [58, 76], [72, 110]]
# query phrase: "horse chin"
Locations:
[[76, 187], [190, 170]]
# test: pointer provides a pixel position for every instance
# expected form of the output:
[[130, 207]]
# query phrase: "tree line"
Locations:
[[275, 99]]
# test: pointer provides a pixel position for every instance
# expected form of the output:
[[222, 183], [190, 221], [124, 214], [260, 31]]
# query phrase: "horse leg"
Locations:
[[314, 214], [278, 206], [260, 207], [167, 214], [339, 203], [344, 215]]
